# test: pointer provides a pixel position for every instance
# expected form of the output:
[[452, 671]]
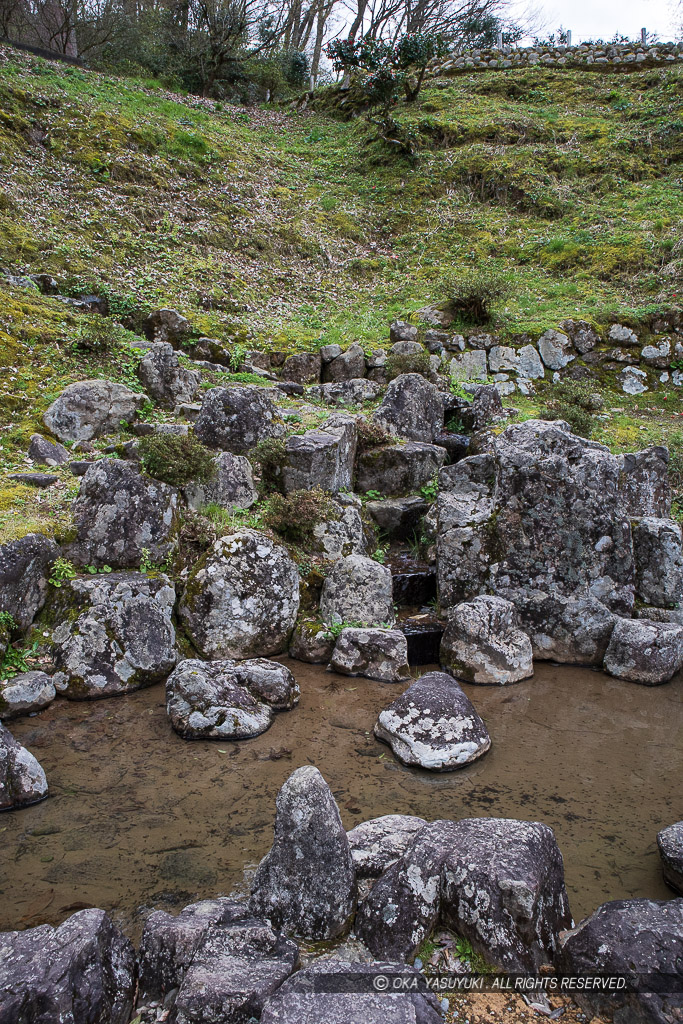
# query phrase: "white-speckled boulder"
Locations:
[[358, 590], [374, 653], [25, 694], [411, 408], [164, 379], [117, 635], [481, 643], [670, 845], [232, 485], [235, 419], [378, 843], [242, 598], [25, 566], [90, 408], [644, 651], [306, 884], [433, 725]]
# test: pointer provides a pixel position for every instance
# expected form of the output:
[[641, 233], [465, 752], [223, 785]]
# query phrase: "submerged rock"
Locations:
[[22, 782], [359, 591], [81, 972], [482, 645], [119, 635], [639, 939], [670, 844], [306, 884], [378, 843], [434, 725], [25, 693], [644, 651], [242, 598], [374, 653], [90, 408], [299, 1001], [120, 515]]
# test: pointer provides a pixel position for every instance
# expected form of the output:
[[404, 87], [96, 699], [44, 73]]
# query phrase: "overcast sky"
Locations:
[[593, 19]]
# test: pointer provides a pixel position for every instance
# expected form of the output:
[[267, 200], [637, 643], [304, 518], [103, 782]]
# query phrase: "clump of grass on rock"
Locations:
[[176, 459], [295, 516], [370, 435], [407, 362]]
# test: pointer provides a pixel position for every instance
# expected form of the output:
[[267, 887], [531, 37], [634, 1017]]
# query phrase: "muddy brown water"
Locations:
[[138, 818]]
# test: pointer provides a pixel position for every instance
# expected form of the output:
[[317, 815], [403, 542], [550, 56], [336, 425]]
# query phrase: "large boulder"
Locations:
[[640, 940], [358, 591], [434, 725], [556, 350], [398, 469], [25, 566], [347, 365], [302, 367], [121, 516], [311, 642], [234, 970], [398, 518], [235, 419], [81, 972], [339, 537], [164, 379], [374, 653], [503, 889], [404, 904], [314, 996], [169, 942], [643, 651], [242, 598], [90, 408], [301, 1001], [378, 843], [670, 845], [411, 408], [117, 636], [322, 457], [231, 486], [25, 694], [481, 643], [306, 884], [544, 519], [22, 780], [223, 700]]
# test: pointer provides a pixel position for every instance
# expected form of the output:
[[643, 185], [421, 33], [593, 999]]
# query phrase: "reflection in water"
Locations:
[[138, 817]]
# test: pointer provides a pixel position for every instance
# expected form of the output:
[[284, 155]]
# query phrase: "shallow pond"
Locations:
[[139, 818]]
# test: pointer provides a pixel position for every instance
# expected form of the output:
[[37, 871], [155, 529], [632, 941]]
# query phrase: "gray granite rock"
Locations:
[[358, 590], [25, 693], [378, 843], [670, 845], [22, 782], [90, 408], [373, 653]]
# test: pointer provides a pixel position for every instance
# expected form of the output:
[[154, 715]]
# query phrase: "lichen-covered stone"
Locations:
[[25, 566], [231, 486], [556, 350], [643, 651], [25, 693], [90, 408], [242, 598], [312, 642], [22, 782], [121, 516], [323, 457], [167, 325], [670, 845], [204, 700], [81, 972], [358, 590], [640, 940], [658, 555], [346, 392], [348, 365], [306, 884], [374, 653], [398, 469], [434, 725], [47, 453], [235, 419], [302, 367], [398, 518], [378, 843], [118, 635], [481, 643], [164, 379], [340, 537], [411, 408]]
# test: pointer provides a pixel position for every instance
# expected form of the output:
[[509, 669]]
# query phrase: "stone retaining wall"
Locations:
[[586, 55]]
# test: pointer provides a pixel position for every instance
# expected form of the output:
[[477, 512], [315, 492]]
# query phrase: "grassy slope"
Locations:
[[294, 230]]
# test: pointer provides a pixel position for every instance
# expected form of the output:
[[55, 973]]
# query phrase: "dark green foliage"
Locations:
[[269, 456], [576, 402], [294, 516], [176, 459], [99, 336], [370, 435], [472, 296], [407, 362]]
